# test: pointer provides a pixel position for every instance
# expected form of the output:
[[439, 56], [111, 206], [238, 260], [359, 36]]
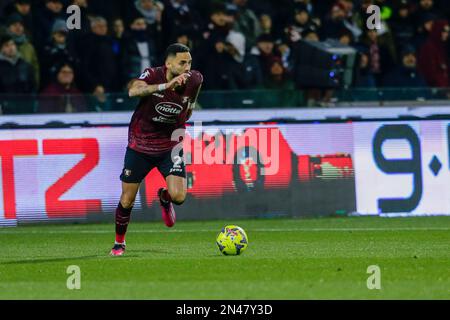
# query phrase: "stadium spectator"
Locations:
[[302, 23], [350, 20], [425, 7], [433, 56], [99, 60], [402, 25], [46, 16], [138, 50], [245, 69], [264, 50], [246, 22], [56, 52], [364, 78], [333, 24], [380, 58], [278, 78], [118, 28], [178, 14], [16, 30], [61, 95], [23, 8], [16, 75], [406, 74], [151, 10], [265, 20], [423, 30]]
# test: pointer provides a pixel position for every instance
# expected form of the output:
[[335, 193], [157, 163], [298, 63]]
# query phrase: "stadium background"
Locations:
[[374, 138], [363, 124]]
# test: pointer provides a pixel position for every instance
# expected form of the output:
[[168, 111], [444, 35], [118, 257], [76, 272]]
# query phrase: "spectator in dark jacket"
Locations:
[[138, 50], [302, 22], [61, 95], [380, 57], [44, 20], [23, 8], [278, 77], [178, 14], [405, 75], [433, 56], [16, 75], [57, 52], [402, 25], [99, 60], [16, 30], [364, 77], [16, 78], [334, 24]]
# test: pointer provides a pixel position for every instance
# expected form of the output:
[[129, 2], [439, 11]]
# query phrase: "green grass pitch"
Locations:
[[324, 258]]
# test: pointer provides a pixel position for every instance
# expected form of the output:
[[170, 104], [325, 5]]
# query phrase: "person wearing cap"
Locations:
[[406, 74], [57, 51], [23, 8], [433, 61], [45, 17], [16, 75], [264, 51], [301, 22], [16, 30]]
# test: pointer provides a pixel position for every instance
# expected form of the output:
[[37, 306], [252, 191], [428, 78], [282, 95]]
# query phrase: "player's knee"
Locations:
[[178, 197], [126, 201]]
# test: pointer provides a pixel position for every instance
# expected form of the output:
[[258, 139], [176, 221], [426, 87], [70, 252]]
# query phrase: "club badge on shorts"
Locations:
[[126, 172]]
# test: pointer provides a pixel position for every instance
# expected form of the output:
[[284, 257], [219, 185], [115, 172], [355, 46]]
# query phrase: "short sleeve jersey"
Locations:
[[158, 115]]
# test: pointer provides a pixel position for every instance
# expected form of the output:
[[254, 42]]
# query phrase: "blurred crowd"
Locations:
[[236, 44]]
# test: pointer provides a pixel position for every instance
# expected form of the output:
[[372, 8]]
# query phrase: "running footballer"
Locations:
[[167, 97]]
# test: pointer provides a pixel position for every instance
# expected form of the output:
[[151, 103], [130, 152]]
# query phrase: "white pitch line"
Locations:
[[210, 230]]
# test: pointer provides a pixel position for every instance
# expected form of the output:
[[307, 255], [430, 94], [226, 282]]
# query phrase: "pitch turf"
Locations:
[[323, 258]]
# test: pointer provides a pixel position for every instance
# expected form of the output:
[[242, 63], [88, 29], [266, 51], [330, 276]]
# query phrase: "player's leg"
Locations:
[[176, 189], [123, 211], [136, 167], [174, 172]]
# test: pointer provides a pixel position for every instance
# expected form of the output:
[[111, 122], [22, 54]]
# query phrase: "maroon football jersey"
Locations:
[[160, 113]]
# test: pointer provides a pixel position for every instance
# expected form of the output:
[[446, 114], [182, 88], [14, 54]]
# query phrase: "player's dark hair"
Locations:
[[175, 48]]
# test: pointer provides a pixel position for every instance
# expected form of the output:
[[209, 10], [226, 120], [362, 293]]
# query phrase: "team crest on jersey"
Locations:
[[144, 75]]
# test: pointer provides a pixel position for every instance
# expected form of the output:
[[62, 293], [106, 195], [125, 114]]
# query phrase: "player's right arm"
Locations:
[[140, 88]]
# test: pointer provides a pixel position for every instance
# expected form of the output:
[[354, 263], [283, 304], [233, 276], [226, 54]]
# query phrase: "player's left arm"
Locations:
[[192, 103]]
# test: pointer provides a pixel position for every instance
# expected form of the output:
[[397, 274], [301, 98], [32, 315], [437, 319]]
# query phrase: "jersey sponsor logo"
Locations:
[[163, 120], [168, 109]]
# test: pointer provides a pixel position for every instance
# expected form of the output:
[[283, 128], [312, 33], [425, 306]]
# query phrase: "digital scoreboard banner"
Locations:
[[399, 168]]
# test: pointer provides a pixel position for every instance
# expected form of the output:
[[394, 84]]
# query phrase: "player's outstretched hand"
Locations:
[[178, 81]]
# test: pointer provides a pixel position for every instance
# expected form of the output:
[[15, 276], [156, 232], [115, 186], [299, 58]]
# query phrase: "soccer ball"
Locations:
[[232, 240]]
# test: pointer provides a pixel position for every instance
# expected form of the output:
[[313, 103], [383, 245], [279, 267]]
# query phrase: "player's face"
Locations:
[[179, 64]]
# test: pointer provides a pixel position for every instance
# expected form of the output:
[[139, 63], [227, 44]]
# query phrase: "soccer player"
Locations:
[[167, 98]]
